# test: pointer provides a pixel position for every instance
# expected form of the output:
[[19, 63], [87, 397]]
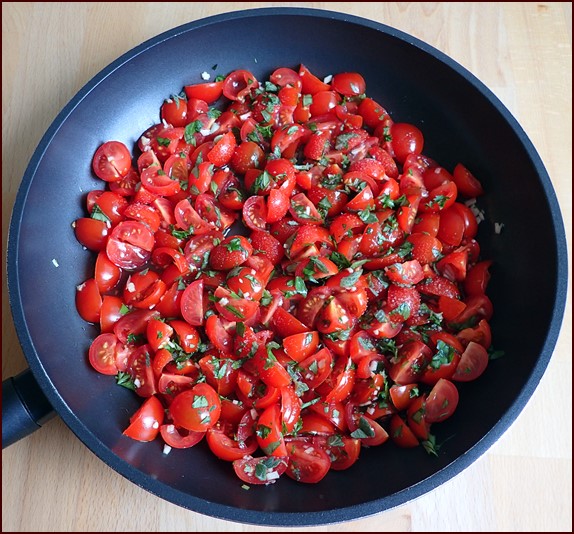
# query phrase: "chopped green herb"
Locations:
[[234, 311], [334, 440], [350, 281], [99, 215], [263, 467], [199, 401], [338, 259], [190, 130], [365, 430], [367, 216], [262, 182], [343, 140], [443, 355], [263, 431], [214, 113], [234, 245], [163, 141], [300, 286], [125, 380], [307, 100], [495, 354]]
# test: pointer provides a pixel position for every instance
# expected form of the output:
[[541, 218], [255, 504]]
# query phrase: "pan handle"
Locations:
[[25, 408]]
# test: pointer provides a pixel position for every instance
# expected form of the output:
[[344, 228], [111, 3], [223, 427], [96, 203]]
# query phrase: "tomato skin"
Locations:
[[268, 245], [290, 408], [170, 303], [89, 301], [426, 223], [227, 448], [323, 103], [402, 396], [450, 307], [208, 92], [110, 313], [143, 213], [401, 434], [247, 155], [426, 248], [407, 273], [308, 464], [373, 113], [440, 198], [480, 334], [174, 112], [416, 418], [406, 139], [342, 456], [477, 278], [477, 307], [466, 183], [452, 226], [310, 84], [343, 381], [473, 362], [316, 368], [217, 334], [271, 372], [196, 409], [223, 150], [379, 437], [268, 432], [91, 233], [187, 335], [437, 286], [230, 253], [143, 290], [285, 324], [349, 83], [111, 205], [413, 358], [305, 236], [158, 333], [145, 423], [300, 346], [441, 402], [453, 265]]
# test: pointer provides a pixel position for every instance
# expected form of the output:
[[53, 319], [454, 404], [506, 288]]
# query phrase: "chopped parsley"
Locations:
[[125, 380]]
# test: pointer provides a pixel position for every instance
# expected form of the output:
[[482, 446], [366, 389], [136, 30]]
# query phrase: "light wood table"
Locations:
[[522, 51]]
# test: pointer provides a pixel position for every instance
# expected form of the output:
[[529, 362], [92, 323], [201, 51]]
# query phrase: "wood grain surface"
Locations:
[[521, 51]]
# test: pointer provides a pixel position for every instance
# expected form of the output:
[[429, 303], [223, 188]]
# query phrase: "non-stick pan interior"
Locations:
[[461, 121]]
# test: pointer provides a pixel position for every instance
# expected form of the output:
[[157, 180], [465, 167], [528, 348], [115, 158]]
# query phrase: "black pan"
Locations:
[[462, 121]]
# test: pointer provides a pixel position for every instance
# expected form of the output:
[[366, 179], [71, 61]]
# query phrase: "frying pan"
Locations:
[[461, 120]]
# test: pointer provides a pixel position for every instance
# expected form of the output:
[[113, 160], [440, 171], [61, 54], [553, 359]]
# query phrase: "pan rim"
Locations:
[[262, 517]]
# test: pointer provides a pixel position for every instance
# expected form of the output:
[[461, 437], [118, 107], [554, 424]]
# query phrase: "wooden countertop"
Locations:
[[521, 51]]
